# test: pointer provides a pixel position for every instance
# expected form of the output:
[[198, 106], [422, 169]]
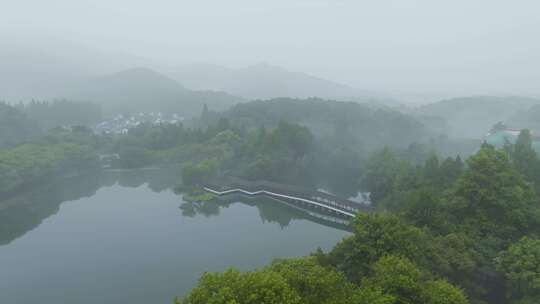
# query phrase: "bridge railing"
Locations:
[[319, 197]]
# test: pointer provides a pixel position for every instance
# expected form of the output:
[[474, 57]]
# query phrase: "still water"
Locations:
[[125, 237]]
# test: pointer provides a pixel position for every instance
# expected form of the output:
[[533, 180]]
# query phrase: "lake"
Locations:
[[126, 237]]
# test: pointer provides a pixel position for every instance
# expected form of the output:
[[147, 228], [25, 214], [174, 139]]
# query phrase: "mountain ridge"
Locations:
[[264, 81]]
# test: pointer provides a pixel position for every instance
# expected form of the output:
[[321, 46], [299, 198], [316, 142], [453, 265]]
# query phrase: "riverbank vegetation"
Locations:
[[57, 152], [30, 163]]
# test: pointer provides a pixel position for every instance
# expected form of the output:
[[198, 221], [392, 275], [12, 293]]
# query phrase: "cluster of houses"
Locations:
[[498, 137], [120, 124]]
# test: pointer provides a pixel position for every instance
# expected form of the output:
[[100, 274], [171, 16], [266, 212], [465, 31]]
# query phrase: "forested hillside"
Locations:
[[144, 90], [473, 117], [56, 113], [360, 125], [263, 81], [527, 118], [59, 153]]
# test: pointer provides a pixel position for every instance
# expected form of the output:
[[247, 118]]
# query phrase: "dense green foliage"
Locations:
[[446, 232], [250, 288], [29, 162], [197, 174], [525, 159], [359, 125], [392, 280], [61, 152], [520, 264], [281, 153]]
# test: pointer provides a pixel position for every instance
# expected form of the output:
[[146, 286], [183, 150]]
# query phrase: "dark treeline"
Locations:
[[362, 126], [26, 121], [278, 153], [286, 153], [61, 113], [40, 140], [59, 152], [15, 126]]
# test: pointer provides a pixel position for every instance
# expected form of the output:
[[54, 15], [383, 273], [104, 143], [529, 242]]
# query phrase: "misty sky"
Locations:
[[469, 46]]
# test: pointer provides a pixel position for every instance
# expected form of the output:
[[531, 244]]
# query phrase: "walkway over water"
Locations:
[[289, 194]]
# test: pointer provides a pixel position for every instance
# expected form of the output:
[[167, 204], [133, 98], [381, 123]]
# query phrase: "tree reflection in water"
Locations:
[[270, 210], [27, 210], [22, 213]]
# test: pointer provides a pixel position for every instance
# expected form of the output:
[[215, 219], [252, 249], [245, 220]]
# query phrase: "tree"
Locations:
[[442, 292], [520, 265], [291, 137], [398, 277], [205, 115], [382, 173], [234, 287], [132, 156], [450, 170], [492, 199], [371, 295], [401, 279], [376, 235], [453, 256], [525, 159], [314, 283], [197, 174], [431, 171], [426, 208]]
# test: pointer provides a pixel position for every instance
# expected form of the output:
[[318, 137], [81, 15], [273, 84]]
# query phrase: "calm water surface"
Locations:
[[127, 238]]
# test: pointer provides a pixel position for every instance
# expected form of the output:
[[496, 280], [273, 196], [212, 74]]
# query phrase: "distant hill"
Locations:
[[264, 81], [47, 69], [362, 125], [41, 69], [473, 117], [143, 89], [526, 119]]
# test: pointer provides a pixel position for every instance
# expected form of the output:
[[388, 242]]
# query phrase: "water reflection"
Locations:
[[22, 213], [270, 211]]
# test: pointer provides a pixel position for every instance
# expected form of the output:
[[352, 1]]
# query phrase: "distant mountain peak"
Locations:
[[262, 81], [141, 76]]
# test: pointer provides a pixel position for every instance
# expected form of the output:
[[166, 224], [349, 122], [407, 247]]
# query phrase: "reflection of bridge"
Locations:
[[290, 195]]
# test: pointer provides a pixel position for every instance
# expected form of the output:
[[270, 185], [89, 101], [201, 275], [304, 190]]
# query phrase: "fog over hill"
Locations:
[[142, 89], [38, 68], [473, 117], [60, 69], [264, 81]]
